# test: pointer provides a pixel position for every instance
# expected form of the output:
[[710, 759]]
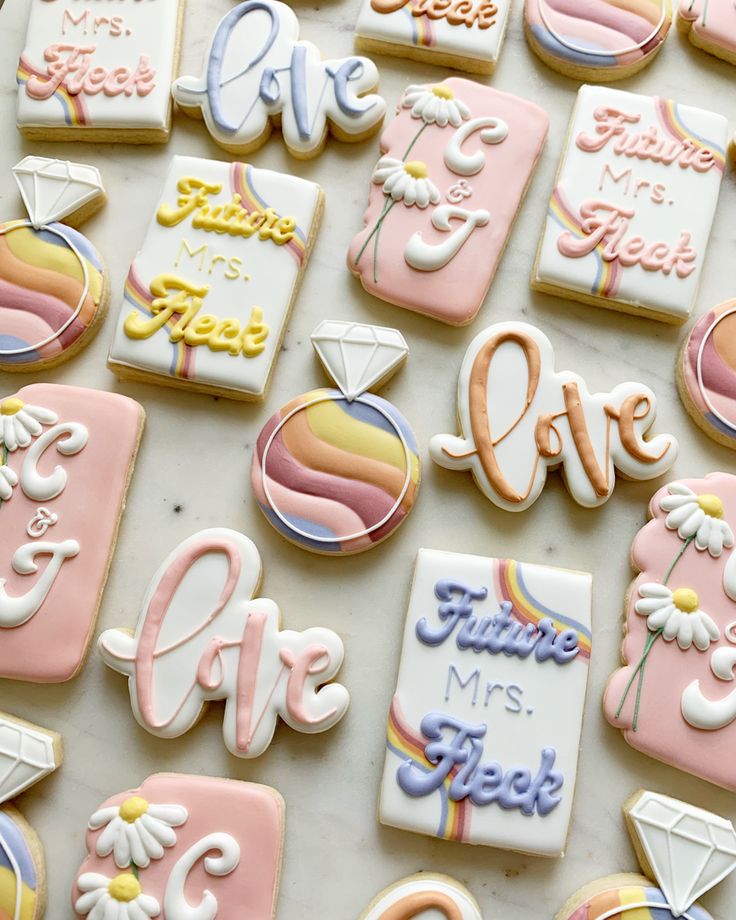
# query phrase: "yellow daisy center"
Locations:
[[685, 599], [444, 92], [11, 406], [133, 808], [712, 505], [416, 169], [125, 888]]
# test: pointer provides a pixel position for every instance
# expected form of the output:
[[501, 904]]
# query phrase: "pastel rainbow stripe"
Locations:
[[624, 898], [336, 469], [409, 745], [714, 337], [511, 586], [422, 31], [41, 284], [242, 184], [182, 355], [74, 108], [669, 114], [609, 273], [17, 872]]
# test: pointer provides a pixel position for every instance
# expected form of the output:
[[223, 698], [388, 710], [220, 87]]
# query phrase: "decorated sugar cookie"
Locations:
[[520, 418], [484, 728], [28, 753], [465, 35], [99, 72], [209, 294], [684, 852], [706, 374], [183, 848], [203, 635], [67, 455], [710, 25], [420, 894], [259, 74], [456, 163], [600, 40], [631, 212], [674, 698], [337, 471], [54, 287]]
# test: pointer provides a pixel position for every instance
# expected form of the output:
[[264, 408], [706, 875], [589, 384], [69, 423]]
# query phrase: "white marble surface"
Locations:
[[193, 473]]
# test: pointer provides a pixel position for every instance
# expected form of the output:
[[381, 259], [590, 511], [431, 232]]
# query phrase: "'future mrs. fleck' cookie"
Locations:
[[259, 74], [456, 162], [710, 25], [484, 728], [99, 72], [520, 418], [631, 212], [208, 296], [423, 894]]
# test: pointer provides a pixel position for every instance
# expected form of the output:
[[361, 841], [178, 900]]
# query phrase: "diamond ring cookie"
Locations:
[[706, 374], [484, 729], [183, 848], [520, 419], [204, 636], [259, 75], [631, 213], [673, 699], [337, 471], [420, 894], [54, 287], [710, 25], [599, 40], [684, 852], [456, 162], [91, 77]]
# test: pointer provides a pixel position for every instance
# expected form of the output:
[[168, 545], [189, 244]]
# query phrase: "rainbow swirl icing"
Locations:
[[336, 469], [715, 335], [41, 283], [17, 868], [599, 33], [601, 905]]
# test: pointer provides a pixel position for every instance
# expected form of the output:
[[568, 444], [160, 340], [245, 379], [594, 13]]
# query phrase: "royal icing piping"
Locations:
[[94, 68], [456, 162], [712, 25], [519, 418], [419, 895], [709, 369], [208, 295], [337, 471], [672, 699], [20, 865], [631, 213], [484, 728], [51, 277], [257, 70], [183, 848], [27, 755], [64, 450], [202, 635]]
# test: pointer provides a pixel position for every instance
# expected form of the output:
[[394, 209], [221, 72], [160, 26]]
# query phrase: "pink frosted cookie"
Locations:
[[710, 25], [673, 699], [423, 894], [67, 457], [706, 374], [456, 163], [183, 848], [203, 635]]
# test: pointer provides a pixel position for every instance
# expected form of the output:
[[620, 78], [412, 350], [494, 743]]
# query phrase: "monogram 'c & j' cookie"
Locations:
[[99, 72], [484, 728], [259, 75], [456, 163], [208, 296], [710, 25], [633, 205]]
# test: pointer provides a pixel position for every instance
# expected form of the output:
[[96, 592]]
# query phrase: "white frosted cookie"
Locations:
[[634, 200], [209, 294], [484, 728], [423, 894], [710, 25]]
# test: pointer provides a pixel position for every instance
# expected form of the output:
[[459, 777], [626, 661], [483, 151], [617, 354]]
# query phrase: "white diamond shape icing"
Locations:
[[26, 756], [356, 355], [53, 189], [689, 850]]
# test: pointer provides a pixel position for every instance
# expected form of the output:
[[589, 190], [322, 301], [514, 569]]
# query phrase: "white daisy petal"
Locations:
[[702, 537], [654, 589], [121, 850], [138, 853], [9, 437], [434, 195], [673, 625], [136, 912], [106, 840], [463, 109], [152, 847], [715, 541], [87, 901], [690, 526], [149, 905], [649, 605], [679, 515], [88, 881], [162, 832], [659, 619], [679, 488], [103, 816], [29, 423], [45, 416], [112, 910], [98, 911], [710, 625], [173, 815], [728, 539], [685, 632], [701, 638], [671, 502]]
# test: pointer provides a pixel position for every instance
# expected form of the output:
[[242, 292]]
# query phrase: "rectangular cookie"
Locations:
[[633, 205], [209, 294], [99, 72], [484, 728]]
